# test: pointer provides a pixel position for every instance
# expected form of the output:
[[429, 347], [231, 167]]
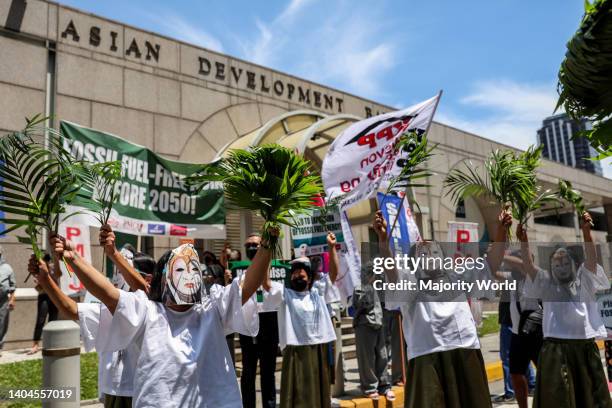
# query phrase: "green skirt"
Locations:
[[447, 379], [570, 375], [305, 377]]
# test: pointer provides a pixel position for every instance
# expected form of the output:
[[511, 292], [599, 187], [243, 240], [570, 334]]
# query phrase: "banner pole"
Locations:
[[406, 191]]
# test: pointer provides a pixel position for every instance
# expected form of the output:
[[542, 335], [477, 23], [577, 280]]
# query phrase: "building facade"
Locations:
[[191, 104], [556, 135]]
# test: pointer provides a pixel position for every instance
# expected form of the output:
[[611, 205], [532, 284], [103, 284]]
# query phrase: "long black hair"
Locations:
[[156, 282], [144, 263]]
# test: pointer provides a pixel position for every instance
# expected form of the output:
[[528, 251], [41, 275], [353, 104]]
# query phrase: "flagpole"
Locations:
[[407, 187]]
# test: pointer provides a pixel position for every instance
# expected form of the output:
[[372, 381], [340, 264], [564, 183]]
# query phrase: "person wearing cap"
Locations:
[[305, 329], [7, 295], [570, 372]]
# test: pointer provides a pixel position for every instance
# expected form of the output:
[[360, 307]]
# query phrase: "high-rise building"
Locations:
[[556, 136]]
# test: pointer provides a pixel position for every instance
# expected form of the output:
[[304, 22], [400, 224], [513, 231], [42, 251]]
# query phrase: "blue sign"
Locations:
[[156, 229], [390, 207]]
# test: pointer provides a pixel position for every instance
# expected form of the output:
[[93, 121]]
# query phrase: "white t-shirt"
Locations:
[[577, 317], [523, 287], [184, 360], [115, 369], [432, 327], [325, 286], [303, 318]]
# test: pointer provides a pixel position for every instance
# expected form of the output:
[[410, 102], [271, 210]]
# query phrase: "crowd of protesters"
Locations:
[[172, 323]]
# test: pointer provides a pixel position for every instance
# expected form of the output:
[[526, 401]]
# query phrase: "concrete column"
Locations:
[[62, 361]]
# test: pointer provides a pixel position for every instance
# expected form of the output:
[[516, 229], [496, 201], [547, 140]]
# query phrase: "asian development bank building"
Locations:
[[190, 104]]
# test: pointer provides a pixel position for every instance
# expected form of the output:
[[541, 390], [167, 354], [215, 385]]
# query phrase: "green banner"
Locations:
[[279, 271], [152, 197]]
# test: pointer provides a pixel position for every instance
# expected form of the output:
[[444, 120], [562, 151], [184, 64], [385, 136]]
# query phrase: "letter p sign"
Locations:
[[72, 232]]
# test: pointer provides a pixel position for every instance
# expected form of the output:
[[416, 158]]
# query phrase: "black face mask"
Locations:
[[251, 251], [298, 284]]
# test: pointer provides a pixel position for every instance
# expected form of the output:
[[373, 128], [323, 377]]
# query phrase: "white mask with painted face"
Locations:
[[431, 258], [562, 267], [183, 277], [118, 280]]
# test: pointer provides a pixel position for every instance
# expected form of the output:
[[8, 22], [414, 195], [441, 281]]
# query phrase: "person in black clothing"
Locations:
[[263, 347], [45, 307]]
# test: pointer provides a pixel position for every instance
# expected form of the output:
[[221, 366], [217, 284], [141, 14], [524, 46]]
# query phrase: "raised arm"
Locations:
[[528, 266], [257, 273], [94, 281], [590, 259], [380, 227], [495, 255], [223, 257], [40, 270], [131, 276], [334, 263]]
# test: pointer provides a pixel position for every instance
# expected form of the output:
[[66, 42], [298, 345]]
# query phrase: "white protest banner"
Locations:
[[364, 156], [310, 236], [349, 274], [79, 236], [604, 306]]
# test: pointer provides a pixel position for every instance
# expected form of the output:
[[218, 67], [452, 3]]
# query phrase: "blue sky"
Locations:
[[497, 61]]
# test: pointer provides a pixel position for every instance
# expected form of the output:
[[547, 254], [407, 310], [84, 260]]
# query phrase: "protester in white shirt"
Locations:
[[527, 335], [115, 369], [570, 372], [184, 359], [305, 329], [445, 365]]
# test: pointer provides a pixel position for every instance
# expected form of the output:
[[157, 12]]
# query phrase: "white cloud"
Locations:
[[177, 27], [511, 112], [339, 47], [291, 11]]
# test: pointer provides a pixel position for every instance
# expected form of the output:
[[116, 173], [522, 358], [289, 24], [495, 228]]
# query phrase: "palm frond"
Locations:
[[38, 180], [417, 153], [330, 205], [585, 75], [269, 179], [508, 179], [573, 197], [99, 187]]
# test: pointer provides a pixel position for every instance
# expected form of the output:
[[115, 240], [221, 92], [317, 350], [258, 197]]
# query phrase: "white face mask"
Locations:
[[183, 277], [432, 258], [118, 280], [562, 267]]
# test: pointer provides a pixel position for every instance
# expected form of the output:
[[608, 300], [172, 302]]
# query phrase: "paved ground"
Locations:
[[490, 350], [489, 344]]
